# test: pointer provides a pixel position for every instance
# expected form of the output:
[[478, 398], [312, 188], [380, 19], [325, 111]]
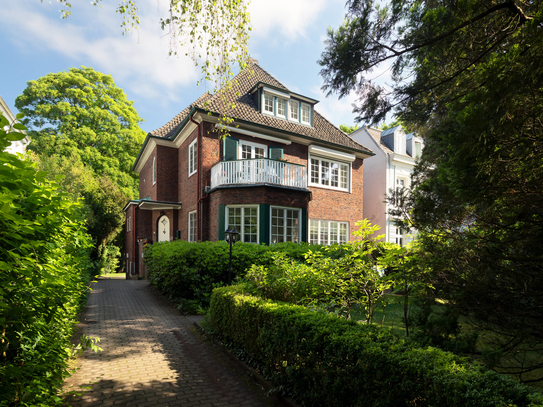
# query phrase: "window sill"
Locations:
[[330, 188]]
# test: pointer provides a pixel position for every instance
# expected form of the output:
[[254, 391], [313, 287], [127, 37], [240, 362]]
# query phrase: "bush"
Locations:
[[329, 361], [187, 272], [44, 275]]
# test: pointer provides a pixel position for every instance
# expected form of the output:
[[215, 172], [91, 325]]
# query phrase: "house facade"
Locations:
[[284, 173], [395, 157]]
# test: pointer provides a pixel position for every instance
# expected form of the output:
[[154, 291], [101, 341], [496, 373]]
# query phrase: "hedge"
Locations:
[[330, 361], [190, 271]]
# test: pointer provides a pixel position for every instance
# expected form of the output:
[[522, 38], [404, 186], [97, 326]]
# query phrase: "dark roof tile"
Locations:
[[246, 109]]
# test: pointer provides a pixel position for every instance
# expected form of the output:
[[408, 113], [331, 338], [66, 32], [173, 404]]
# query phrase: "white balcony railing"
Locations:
[[259, 171]]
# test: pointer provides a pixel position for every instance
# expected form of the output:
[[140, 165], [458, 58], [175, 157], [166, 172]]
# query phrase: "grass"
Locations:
[[388, 313]]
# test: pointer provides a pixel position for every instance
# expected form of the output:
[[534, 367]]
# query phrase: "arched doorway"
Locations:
[[163, 231]]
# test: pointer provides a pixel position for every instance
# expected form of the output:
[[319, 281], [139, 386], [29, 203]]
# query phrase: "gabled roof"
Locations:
[[246, 110], [376, 134]]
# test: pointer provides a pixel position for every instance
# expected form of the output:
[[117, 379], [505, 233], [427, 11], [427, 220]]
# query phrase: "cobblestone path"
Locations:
[[152, 356]]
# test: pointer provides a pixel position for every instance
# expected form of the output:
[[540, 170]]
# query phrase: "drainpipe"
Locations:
[[134, 233]]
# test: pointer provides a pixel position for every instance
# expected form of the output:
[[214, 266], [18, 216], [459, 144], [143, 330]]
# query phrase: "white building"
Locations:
[[390, 168], [18, 146]]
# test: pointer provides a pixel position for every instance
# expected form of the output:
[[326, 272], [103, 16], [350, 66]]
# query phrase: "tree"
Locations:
[[467, 77], [348, 129], [82, 115]]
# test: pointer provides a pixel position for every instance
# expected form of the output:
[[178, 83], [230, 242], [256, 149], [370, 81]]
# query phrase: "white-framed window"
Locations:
[[268, 104], [193, 147], [331, 174], [154, 170], [245, 220], [328, 232], [400, 236], [192, 226], [248, 150], [285, 224], [129, 224], [294, 111], [281, 107], [306, 114]]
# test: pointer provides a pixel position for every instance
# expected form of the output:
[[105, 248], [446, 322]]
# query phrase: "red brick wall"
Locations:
[[167, 166], [328, 204], [187, 186], [146, 178]]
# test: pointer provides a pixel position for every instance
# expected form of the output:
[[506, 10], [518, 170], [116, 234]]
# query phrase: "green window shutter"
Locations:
[[264, 224], [305, 221], [230, 149], [222, 228], [276, 153]]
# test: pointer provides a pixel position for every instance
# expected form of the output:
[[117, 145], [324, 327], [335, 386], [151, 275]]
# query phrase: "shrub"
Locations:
[[329, 361], [44, 275], [187, 272]]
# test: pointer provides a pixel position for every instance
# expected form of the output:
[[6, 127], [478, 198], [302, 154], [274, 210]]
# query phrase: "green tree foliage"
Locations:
[[82, 115], [85, 135], [468, 78], [348, 129], [44, 272]]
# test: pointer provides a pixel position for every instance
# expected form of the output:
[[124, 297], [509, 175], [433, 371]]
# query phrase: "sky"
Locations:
[[287, 39]]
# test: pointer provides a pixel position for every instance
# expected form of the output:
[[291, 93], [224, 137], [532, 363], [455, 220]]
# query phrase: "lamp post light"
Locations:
[[231, 237]]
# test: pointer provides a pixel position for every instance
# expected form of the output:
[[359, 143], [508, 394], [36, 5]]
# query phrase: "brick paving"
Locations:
[[152, 356]]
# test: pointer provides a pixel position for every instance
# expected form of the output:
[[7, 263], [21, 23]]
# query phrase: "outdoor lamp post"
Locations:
[[231, 237]]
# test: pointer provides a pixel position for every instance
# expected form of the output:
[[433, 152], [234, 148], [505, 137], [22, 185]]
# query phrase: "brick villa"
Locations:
[[285, 173]]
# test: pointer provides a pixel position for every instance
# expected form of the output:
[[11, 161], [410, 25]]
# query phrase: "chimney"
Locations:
[[252, 60]]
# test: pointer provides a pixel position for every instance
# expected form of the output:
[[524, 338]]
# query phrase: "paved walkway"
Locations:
[[152, 356]]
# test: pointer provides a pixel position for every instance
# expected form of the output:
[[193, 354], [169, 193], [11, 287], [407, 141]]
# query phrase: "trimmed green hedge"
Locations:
[[189, 271], [329, 361]]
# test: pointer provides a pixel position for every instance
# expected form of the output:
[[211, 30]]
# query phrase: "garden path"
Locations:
[[152, 356]]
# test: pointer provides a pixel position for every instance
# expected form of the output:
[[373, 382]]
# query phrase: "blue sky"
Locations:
[[287, 40]]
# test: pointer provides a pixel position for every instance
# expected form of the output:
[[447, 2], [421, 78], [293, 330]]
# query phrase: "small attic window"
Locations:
[[268, 104], [280, 104], [306, 114], [294, 111]]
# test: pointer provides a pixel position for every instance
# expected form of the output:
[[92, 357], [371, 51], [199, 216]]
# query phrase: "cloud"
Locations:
[[92, 36], [288, 19]]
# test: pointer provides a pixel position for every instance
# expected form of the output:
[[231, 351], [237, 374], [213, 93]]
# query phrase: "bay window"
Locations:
[[285, 225], [245, 220]]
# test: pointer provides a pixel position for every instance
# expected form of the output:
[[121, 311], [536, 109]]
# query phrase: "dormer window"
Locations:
[[281, 107], [279, 104], [306, 114], [268, 104], [294, 107]]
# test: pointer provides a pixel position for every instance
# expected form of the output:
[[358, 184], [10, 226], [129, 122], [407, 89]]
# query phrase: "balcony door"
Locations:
[[253, 171], [252, 150]]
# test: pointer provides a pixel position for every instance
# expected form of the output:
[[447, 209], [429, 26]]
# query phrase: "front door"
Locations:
[[163, 229]]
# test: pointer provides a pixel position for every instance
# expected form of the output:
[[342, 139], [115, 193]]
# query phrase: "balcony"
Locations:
[[259, 171]]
